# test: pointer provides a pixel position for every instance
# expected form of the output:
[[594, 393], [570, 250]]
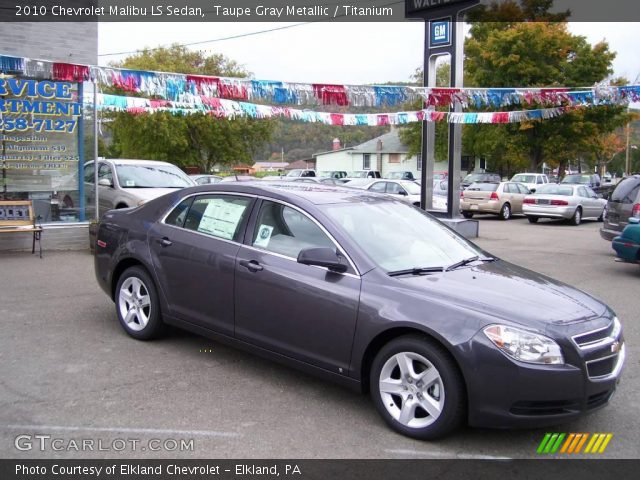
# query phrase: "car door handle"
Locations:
[[252, 265], [165, 242]]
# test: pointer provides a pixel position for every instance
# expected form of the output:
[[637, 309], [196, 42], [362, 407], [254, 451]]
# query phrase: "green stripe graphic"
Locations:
[[543, 443], [558, 442], [550, 443]]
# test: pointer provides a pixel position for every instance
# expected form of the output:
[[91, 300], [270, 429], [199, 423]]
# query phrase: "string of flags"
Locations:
[[183, 88], [223, 108]]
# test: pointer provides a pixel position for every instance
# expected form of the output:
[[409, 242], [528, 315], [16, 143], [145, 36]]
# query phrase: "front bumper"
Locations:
[[609, 234], [504, 393], [548, 211]]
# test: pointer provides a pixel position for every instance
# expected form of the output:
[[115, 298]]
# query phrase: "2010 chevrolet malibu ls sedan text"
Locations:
[[368, 291]]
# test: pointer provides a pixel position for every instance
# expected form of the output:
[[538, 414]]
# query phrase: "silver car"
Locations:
[[129, 183], [570, 202], [405, 190]]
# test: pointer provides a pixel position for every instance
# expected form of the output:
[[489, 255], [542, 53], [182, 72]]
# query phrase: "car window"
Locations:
[[394, 188], [217, 215], [590, 192], [287, 231], [554, 189], [539, 181], [626, 191], [523, 189], [378, 187], [583, 192], [179, 214], [104, 171], [510, 188], [89, 173], [202, 180], [151, 176]]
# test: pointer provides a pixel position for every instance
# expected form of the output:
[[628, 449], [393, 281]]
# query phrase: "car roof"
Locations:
[[314, 193], [128, 161]]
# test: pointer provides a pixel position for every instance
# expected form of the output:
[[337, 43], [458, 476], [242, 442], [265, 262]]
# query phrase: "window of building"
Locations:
[[394, 158], [366, 161]]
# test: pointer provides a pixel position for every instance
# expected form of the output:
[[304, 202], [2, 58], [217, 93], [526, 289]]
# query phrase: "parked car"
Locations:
[[480, 178], [238, 178], [565, 201], [400, 176], [299, 172], [364, 174], [627, 245], [325, 181], [365, 290], [440, 189], [334, 174], [130, 183], [205, 179], [405, 190], [624, 203], [503, 199], [442, 175], [530, 180], [590, 180]]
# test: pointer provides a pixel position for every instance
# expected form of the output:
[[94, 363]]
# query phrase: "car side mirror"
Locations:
[[105, 182], [403, 193], [533, 190], [323, 257], [634, 221]]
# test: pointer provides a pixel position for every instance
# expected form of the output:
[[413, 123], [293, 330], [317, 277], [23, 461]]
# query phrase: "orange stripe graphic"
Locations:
[[566, 444], [575, 442], [584, 439]]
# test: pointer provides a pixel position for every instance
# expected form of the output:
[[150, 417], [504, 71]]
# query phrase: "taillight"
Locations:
[[461, 193], [559, 202], [494, 196], [636, 210], [529, 201]]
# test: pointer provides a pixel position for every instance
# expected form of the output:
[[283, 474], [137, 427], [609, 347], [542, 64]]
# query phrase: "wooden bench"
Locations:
[[16, 216]]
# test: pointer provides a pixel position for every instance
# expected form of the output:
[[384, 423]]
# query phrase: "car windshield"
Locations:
[[152, 176], [483, 187], [524, 178], [474, 177], [357, 174], [553, 189], [412, 188], [294, 173], [575, 179], [397, 236], [359, 182]]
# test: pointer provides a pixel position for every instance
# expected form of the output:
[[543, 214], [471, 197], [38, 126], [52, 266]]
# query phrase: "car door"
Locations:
[[397, 190], [596, 205], [194, 253], [106, 194], [516, 197], [588, 209], [378, 187], [304, 312]]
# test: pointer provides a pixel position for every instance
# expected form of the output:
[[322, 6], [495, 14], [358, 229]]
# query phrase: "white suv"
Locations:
[[531, 180]]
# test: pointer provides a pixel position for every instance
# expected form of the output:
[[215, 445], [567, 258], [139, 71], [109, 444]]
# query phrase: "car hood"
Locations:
[[148, 193], [505, 291]]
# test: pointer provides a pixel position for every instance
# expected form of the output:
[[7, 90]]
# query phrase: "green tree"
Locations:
[[186, 140]]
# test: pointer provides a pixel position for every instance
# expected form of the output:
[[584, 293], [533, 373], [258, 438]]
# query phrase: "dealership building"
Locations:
[[46, 132]]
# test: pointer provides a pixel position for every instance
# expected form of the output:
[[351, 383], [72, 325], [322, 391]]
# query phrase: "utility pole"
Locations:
[[627, 162]]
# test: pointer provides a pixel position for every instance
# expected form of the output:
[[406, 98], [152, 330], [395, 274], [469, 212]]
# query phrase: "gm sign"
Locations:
[[440, 33]]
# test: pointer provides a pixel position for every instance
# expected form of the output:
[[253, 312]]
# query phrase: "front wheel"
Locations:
[[417, 388], [137, 304], [467, 214]]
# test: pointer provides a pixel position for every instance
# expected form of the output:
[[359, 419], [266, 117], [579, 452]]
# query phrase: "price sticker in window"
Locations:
[[263, 237]]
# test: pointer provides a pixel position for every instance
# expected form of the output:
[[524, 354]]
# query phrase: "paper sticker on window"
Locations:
[[130, 183], [263, 237], [221, 218]]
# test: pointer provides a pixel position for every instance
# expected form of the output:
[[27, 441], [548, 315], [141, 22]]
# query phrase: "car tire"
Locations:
[[410, 405], [505, 212], [577, 217], [467, 214], [137, 304], [533, 219]]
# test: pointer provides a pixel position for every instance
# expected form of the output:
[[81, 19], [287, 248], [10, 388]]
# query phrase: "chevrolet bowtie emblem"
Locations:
[[615, 347]]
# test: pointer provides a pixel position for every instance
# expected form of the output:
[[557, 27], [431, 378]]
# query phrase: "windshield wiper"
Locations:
[[462, 263], [415, 271]]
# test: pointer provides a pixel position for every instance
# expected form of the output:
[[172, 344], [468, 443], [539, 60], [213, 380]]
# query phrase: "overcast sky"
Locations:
[[343, 53]]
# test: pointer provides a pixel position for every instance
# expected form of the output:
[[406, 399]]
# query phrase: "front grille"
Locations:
[[591, 339], [601, 367], [536, 408]]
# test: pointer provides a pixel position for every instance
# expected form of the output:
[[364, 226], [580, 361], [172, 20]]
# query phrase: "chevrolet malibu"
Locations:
[[368, 291]]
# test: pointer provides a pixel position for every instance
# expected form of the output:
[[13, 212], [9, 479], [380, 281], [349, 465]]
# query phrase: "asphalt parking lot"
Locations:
[[67, 370]]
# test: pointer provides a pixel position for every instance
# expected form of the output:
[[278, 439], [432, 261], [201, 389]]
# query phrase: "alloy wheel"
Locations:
[[134, 303], [411, 389]]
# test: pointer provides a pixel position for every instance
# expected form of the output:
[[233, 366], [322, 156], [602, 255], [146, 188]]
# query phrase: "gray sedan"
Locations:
[[569, 202]]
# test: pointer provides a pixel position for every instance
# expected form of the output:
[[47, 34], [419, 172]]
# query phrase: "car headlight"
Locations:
[[525, 346], [617, 328]]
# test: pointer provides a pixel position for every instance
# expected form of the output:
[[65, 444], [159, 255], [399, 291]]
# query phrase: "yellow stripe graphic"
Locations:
[[605, 443], [594, 438], [567, 442], [596, 446]]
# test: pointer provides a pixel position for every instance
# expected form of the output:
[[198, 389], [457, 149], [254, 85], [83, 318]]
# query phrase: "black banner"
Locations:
[[316, 469]]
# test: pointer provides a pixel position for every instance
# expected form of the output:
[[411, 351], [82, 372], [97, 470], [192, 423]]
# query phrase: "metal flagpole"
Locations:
[[95, 147]]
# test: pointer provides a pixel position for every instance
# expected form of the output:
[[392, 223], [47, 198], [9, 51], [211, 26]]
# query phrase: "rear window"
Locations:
[[552, 189], [524, 178], [626, 191], [483, 187], [576, 179]]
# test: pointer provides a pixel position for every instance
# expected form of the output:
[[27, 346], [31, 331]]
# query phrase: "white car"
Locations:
[[531, 180], [406, 190], [569, 202], [130, 183]]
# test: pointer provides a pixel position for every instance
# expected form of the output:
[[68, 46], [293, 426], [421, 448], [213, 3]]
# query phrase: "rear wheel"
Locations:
[[137, 304], [417, 388], [533, 219], [577, 217], [467, 214], [505, 212]]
